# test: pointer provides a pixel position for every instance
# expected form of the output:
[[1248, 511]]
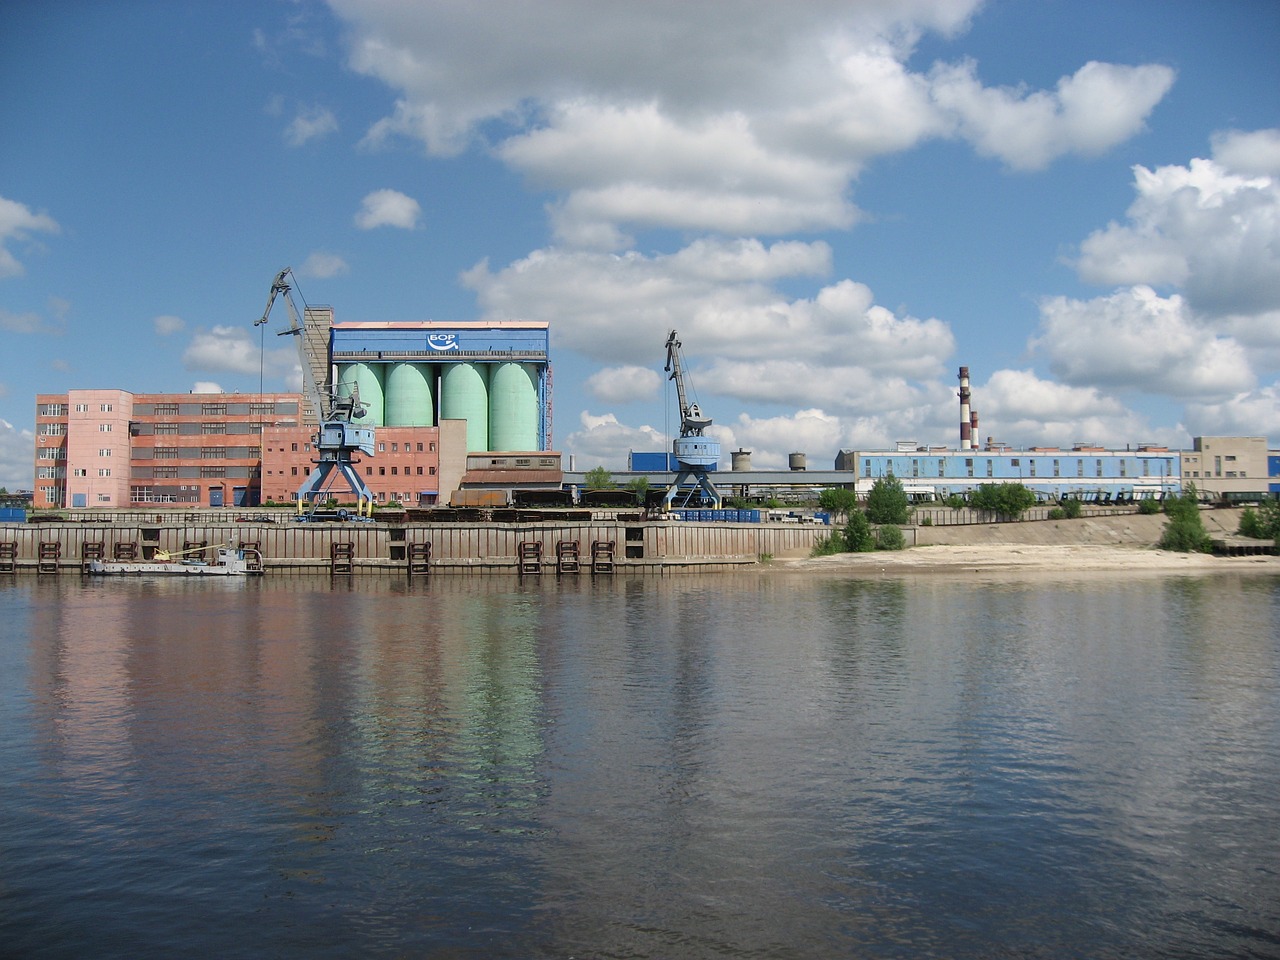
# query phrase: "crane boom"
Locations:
[[338, 439], [694, 453]]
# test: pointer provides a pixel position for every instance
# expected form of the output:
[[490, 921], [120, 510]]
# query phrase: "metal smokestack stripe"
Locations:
[[973, 430], [964, 408]]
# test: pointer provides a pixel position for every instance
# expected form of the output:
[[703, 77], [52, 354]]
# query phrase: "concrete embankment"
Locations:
[[290, 547]]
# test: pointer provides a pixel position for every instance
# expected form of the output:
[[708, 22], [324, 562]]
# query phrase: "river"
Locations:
[[756, 764]]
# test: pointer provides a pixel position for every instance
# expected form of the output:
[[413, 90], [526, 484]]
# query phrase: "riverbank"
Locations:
[[1097, 544]]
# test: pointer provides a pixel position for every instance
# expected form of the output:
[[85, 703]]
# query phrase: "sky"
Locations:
[[835, 204]]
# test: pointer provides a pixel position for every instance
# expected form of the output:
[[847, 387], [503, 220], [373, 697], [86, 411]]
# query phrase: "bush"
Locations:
[[888, 502], [926, 522], [956, 501], [1148, 506], [889, 537], [1263, 523], [826, 546], [858, 537], [1007, 500], [1185, 532], [1251, 525], [1057, 513], [1071, 508]]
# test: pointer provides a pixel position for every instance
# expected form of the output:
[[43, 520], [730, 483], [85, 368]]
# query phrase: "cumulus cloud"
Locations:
[[310, 123], [166, 325], [17, 453], [1252, 153], [234, 350], [675, 115], [1253, 413], [1213, 233], [1041, 412], [602, 439], [388, 208], [1138, 340], [206, 386], [323, 265], [625, 384], [17, 223], [1097, 107]]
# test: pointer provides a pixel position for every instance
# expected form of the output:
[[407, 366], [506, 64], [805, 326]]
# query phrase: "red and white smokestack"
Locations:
[[973, 430], [965, 425]]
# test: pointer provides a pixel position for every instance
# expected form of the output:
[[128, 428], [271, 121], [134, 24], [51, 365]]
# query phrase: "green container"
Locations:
[[368, 378], [464, 395], [513, 407], [408, 395]]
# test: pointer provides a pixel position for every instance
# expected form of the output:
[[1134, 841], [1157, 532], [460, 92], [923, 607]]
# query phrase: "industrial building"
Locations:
[[432, 392]]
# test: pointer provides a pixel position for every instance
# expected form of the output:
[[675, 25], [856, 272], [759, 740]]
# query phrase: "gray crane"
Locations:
[[338, 439], [694, 452]]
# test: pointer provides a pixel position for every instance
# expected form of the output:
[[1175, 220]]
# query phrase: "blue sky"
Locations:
[[836, 204]]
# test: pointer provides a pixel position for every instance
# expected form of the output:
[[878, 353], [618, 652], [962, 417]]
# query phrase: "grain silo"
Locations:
[[464, 395], [366, 379], [408, 395], [513, 407]]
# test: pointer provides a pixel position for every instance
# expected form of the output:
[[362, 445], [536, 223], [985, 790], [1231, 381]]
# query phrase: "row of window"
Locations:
[[1014, 462]]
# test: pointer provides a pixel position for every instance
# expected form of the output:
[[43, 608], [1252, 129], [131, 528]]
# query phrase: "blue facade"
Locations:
[[657, 462], [1051, 474]]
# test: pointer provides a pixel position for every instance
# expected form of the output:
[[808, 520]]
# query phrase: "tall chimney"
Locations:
[[965, 425], [973, 430]]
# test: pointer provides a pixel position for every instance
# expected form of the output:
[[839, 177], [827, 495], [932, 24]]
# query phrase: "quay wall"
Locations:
[[637, 546]]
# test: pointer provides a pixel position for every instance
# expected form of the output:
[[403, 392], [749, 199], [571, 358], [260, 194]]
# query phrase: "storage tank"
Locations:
[[513, 407], [368, 378], [741, 459], [464, 395], [796, 461], [408, 388]]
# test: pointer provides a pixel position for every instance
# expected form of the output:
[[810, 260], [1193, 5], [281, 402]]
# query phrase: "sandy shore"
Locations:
[[1125, 543]]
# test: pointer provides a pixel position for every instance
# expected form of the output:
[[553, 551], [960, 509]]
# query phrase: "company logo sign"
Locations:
[[442, 341]]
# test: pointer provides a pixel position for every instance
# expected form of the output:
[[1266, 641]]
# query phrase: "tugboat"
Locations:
[[227, 562]]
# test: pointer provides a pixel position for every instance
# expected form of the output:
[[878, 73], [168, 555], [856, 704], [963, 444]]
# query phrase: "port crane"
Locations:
[[693, 451], [338, 439]]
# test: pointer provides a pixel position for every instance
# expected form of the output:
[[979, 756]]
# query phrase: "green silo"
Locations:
[[464, 395], [368, 378], [408, 395], [513, 407]]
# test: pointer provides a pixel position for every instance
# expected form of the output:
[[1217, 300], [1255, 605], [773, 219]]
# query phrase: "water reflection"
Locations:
[[743, 765]]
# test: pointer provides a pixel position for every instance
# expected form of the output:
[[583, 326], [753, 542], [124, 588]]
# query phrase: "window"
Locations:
[[77, 472], [394, 471], [208, 473], [51, 429], [395, 448], [368, 471], [104, 498], [165, 473], [1057, 468], [295, 470], [259, 409], [166, 409], [382, 471], [1124, 468], [104, 471], [82, 408], [382, 447], [51, 453], [433, 471], [165, 453], [293, 447], [433, 446], [104, 407], [419, 471], [942, 467], [419, 448], [1014, 462], [213, 428], [1080, 467], [104, 428], [866, 466], [968, 465], [1031, 464], [104, 452], [1099, 466], [165, 429], [213, 453], [51, 410], [213, 409]]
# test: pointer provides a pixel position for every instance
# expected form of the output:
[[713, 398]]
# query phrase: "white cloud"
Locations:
[[324, 265], [1252, 414], [602, 439], [1213, 233], [233, 350], [625, 384], [17, 454], [17, 222], [678, 116], [206, 386], [167, 325], [1018, 403], [388, 208], [1137, 340], [1090, 112], [771, 440], [310, 123], [1252, 153], [29, 322]]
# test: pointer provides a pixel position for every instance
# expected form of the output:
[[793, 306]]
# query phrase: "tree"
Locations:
[[887, 502], [1184, 531], [889, 537], [858, 537], [1009, 501], [598, 478], [838, 501], [640, 487]]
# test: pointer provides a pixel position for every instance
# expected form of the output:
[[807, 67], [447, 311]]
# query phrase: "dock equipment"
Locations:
[[341, 559], [695, 453], [566, 556], [50, 554], [91, 550], [9, 556], [125, 551], [602, 556], [529, 559], [419, 564]]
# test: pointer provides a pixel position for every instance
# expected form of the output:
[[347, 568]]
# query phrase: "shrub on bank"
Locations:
[[1184, 531], [889, 537]]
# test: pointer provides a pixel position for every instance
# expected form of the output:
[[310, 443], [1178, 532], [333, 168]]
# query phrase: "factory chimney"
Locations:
[[973, 430], [965, 425]]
